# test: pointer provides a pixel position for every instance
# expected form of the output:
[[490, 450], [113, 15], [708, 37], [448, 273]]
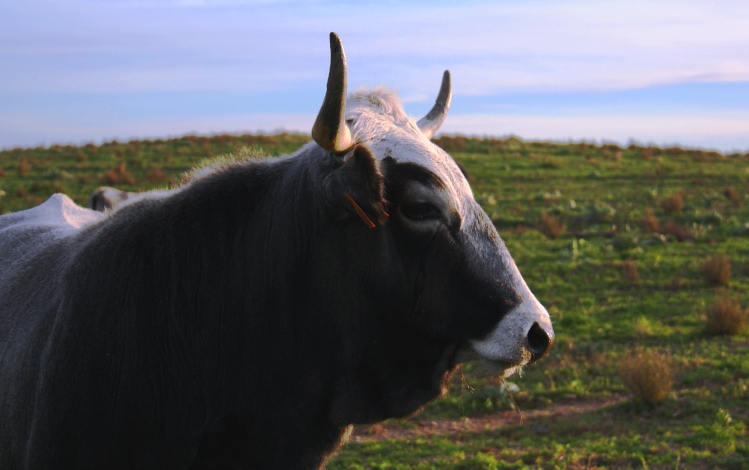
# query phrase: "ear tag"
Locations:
[[362, 215]]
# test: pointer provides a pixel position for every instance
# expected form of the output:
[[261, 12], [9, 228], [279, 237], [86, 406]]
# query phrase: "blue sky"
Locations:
[[666, 72]]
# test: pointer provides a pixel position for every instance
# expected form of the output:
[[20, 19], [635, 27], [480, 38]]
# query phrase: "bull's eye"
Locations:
[[420, 211]]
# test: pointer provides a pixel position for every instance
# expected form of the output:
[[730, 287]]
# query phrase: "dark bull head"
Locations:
[[463, 284]]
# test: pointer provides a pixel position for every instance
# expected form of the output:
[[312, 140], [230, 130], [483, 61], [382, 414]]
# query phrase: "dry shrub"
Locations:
[[92, 148], [677, 231], [673, 203], [81, 157], [551, 226], [647, 374], [57, 187], [716, 270], [21, 191], [119, 175], [156, 175], [630, 273], [725, 317], [23, 166], [733, 195], [3, 173], [650, 222]]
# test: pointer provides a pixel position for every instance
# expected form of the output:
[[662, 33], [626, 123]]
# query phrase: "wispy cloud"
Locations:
[[494, 49]]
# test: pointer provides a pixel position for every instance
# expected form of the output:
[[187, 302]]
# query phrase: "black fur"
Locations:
[[243, 322]]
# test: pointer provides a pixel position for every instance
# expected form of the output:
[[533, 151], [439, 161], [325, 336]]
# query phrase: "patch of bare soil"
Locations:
[[414, 428]]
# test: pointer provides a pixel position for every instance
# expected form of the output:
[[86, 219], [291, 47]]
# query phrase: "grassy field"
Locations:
[[630, 249]]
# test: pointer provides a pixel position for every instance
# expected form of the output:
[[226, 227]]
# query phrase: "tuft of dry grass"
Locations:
[[675, 230], [156, 175], [630, 272], [118, 175], [650, 222], [647, 374], [733, 195], [551, 226], [23, 167], [725, 317], [673, 203], [716, 270]]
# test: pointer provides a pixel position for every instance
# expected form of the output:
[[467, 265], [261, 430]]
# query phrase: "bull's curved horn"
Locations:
[[431, 123], [330, 130]]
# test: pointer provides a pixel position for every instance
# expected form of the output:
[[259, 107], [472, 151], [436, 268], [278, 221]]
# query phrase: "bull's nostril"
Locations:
[[538, 341]]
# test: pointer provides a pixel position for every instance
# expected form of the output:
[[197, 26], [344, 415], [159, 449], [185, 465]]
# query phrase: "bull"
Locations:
[[250, 317]]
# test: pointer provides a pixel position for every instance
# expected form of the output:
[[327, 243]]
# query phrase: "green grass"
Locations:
[[602, 194]]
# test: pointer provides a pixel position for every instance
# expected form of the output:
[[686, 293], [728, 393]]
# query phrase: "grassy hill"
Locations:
[[634, 251]]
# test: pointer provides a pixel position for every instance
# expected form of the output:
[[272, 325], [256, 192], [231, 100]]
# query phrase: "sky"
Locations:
[[660, 72]]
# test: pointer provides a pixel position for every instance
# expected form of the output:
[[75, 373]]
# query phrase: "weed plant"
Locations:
[[647, 374], [726, 317], [551, 226], [716, 270], [650, 222], [673, 203], [630, 273]]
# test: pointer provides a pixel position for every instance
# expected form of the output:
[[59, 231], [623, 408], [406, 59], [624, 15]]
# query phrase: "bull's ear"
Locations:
[[358, 187]]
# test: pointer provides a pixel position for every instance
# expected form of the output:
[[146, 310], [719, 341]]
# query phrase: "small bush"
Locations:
[[630, 273], [673, 203], [650, 222], [716, 270], [725, 317], [647, 374], [551, 226]]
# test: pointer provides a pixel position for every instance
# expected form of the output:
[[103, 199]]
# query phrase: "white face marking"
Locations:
[[379, 122], [507, 343]]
